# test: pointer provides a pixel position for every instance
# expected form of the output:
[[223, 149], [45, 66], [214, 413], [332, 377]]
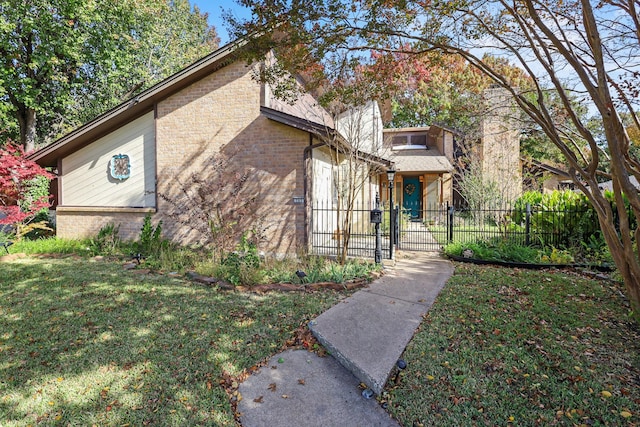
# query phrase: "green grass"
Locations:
[[505, 347], [86, 343], [83, 342], [465, 233], [49, 246]]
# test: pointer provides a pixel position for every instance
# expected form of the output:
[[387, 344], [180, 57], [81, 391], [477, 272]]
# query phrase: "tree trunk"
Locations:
[[627, 263], [27, 121], [619, 240]]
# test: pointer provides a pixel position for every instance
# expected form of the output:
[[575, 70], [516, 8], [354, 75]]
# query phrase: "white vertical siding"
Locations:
[[362, 127], [323, 186], [86, 180]]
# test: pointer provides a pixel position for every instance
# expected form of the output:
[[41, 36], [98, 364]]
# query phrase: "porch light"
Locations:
[[391, 174]]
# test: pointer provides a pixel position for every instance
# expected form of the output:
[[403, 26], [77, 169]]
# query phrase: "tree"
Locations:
[[353, 147], [578, 49], [171, 34], [431, 88], [17, 177], [218, 206], [62, 58]]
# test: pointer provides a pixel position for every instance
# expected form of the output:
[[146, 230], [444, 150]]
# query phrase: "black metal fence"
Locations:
[[329, 228], [525, 226], [430, 228]]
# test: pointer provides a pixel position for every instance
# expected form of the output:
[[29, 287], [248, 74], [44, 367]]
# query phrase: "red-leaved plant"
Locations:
[[17, 205]]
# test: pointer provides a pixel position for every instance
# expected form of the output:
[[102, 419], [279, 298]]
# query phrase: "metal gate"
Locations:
[[416, 229], [420, 228]]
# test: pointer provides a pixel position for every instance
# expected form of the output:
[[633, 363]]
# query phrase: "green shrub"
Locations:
[[557, 256], [242, 265], [106, 242], [497, 250], [560, 217], [150, 242], [171, 257], [235, 270]]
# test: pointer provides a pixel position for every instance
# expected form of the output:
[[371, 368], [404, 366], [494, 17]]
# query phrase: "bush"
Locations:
[[106, 242], [242, 265], [498, 250], [24, 190], [150, 242], [558, 218]]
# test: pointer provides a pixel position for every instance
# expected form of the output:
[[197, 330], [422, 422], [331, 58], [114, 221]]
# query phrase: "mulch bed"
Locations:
[[134, 268], [281, 287]]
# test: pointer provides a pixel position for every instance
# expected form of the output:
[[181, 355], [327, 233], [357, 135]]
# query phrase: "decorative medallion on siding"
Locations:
[[120, 166]]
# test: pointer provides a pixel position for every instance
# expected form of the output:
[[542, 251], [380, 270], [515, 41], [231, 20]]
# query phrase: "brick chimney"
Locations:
[[500, 143]]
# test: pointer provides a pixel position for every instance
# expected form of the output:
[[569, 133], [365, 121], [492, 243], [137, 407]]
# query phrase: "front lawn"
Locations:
[[503, 347], [84, 342]]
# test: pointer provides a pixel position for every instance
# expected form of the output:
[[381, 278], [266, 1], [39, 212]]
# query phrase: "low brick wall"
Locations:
[[78, 223]]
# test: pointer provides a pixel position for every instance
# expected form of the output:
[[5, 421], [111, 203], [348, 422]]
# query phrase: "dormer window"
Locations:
[[409, 141]]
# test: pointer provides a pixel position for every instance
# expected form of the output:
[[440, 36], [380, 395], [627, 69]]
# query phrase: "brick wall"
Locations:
[[500, 149], [79, 224], [219, 118]]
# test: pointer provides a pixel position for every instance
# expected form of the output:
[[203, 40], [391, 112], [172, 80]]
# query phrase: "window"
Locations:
[[399, 140], [409, 141], [418, 140]]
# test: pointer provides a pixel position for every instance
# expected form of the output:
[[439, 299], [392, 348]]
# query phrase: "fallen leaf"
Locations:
[[605, 393], [301, 381], [284, 396], [281, 360], [272, 387], [258, 399], [625, 414]]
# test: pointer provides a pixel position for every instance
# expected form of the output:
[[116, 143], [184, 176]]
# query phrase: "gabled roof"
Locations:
[[421, 161], [325, 133], [422, 129], [136, 106], [297, 122]]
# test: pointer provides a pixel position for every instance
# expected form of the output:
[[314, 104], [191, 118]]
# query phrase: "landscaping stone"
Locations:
[[210, 281]]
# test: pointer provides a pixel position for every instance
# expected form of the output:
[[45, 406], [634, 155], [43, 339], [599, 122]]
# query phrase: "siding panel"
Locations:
[[85, 174]]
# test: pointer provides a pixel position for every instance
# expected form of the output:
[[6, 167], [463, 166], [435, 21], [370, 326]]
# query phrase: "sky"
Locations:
[[215, 8]]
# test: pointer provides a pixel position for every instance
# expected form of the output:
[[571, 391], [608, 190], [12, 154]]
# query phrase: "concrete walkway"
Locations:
[[366, 334]]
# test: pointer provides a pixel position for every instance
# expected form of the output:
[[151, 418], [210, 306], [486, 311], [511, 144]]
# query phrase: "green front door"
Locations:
[[411, 199]]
